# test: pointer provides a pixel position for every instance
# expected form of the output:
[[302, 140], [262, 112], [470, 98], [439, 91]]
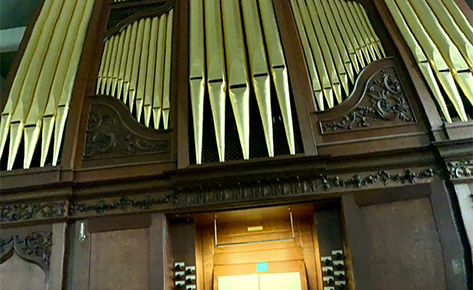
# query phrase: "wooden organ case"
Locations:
[[239, 144]]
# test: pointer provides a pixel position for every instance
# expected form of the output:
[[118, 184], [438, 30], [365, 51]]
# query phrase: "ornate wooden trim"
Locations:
[[293, 186], [35, 248], [382, 104], [460, 169], [112, 132], [140, 15], [20, 212]]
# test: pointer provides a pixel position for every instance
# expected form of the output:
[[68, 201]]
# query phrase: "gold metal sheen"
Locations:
[[316, 87], [317, 53], [421, 59], [365, 33], [19, 79], [71, 73], [116, 69], [121, 74], [356, 31], [238, 86], [329, 61], [379, 45], [216, 71], [197, 72], [167, 71], [457, 36], [31, 80], [459, 18], [111, 69], [129, 61], [338, 39], [56, 91], [102, 66], [140, 92], [278, 68], [151, 70], [108, 62], [158, 82], [136, 65]]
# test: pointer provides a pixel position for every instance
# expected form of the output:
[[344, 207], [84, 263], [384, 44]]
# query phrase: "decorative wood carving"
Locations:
[[108, 135], [460, 169], [384, 100], [35, 247], [123, 204], [291, 186], [32, 211]]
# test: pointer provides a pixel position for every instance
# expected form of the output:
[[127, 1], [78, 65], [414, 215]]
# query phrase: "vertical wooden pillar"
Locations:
[[357, 243], [158, 239], [56, 276]]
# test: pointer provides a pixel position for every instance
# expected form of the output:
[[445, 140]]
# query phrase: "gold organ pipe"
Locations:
[[136, 65], [40, 98], [459, 18], [338, 39], [102, 66], [260, 77], [167, 71], [436, 60], [197, 73], [216, 81], [129, 62], [337, 5], [379, 45], [332, 48], [31, 79], [238, 86], [457, 36], [19, 79], [364, 33], [316, 87], [108, 62], [451, 54], [121, 75], [140, 92], [158, 82], [356, 31], [117, 60], [317, 53], [111, 69], [350, 45], [444, 71], [63, 107], [148, 101], [50, 113], [327, 57], [421, 59], [278, 68]]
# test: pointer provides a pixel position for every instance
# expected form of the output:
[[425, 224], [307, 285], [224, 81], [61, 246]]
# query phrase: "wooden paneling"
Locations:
[[119, 260], [17, 273], [405, 251]]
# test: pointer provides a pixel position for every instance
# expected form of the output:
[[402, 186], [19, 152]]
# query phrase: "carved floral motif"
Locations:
[[24, 212], [385, 100], [123, 204], [106, 135], [298, 185], [36, 248], [460, 169]]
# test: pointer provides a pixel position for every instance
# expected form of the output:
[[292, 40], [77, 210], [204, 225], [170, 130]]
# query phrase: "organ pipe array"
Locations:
[[136, 68], [38, 102], [219, 48], [441, 41], [338, 41]]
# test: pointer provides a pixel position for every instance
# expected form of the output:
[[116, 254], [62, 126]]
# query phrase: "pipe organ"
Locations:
[[441, 41], [338, 41], [227, 59], [39, 98], [136, 68]]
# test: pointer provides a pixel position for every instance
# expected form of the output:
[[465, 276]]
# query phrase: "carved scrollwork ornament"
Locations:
[[35, 248], [24, 212], [460, 169], [123, 204], [385, 100]]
